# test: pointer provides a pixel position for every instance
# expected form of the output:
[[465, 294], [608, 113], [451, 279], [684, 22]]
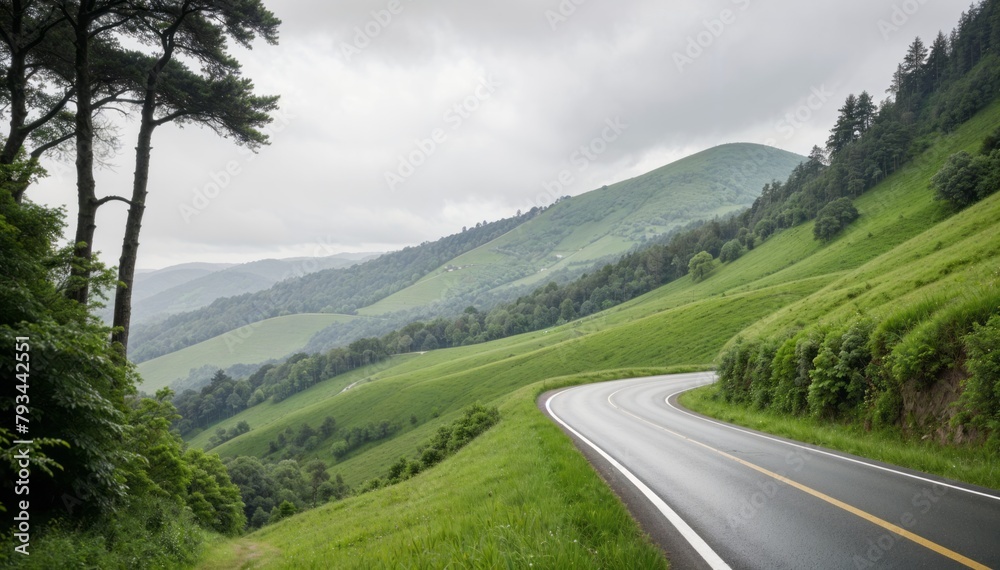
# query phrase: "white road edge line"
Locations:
[[696, 542], [827, 453]]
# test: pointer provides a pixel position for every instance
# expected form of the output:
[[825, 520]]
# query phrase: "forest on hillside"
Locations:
[[341, 291], [934, 90]]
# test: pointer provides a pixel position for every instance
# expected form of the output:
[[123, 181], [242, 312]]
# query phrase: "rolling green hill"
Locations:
[[150, 282], [230, 281], [572, 236], [333, 291], [577, 233], [261, 341], [905, 247]]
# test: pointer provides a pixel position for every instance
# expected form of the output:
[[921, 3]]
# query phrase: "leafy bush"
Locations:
[[149, 533], [732, 370], [833, 218], [980, 401], [701, 265], [761, 374], [212, 497], [784, 376], [450, 438], [936, 344], [826, 385], [966, 179], [731, 251], [838, 374]]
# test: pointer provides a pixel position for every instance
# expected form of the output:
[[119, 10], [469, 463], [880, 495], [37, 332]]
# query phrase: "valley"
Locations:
[[687, 352], [791, 278]]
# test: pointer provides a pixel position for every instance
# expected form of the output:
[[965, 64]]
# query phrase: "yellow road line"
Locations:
[[964, 560]]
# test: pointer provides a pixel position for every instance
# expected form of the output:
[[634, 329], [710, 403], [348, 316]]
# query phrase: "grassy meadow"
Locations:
[[257, 342]]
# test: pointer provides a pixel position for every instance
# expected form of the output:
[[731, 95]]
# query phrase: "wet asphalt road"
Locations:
[[718, 496]]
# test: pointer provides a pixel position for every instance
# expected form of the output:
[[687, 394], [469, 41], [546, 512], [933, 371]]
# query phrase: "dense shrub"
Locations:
[[980, 401], [475, 420], [701, 265], [150, 533], [833, 218], [838, 373], [731, 251], [966, 179], [857, 371]]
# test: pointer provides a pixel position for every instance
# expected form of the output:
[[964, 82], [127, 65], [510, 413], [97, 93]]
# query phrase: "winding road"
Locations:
[[715, 495]]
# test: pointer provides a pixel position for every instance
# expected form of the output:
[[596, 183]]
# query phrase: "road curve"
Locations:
[[721, 496]]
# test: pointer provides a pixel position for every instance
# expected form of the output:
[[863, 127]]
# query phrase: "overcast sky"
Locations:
[[402, 121]]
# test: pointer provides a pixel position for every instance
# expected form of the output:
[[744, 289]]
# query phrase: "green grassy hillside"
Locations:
[[517, 497], [273, 338], [576, 233], [905, 247]]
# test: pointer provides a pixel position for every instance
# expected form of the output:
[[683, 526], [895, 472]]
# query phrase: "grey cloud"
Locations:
[[348, 121]]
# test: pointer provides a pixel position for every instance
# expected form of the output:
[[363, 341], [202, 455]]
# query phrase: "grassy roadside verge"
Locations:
[[518, 496], [969, 464]]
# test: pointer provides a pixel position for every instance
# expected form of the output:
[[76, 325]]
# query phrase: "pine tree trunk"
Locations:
[[133, 225], [16, 80], [18, 109], [86, 219], [137, 208]]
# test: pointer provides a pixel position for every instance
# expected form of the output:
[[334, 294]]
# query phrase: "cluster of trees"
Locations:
[[191, 477], [273, 491], [222, 435], [225, 396], [103, 459], [65, 66], [332, 291], [111, 485], [360, 435], [449, 438], [222, 398], [833, 218], [306, 438], [966, 179], [857, 370], [934, 88]]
